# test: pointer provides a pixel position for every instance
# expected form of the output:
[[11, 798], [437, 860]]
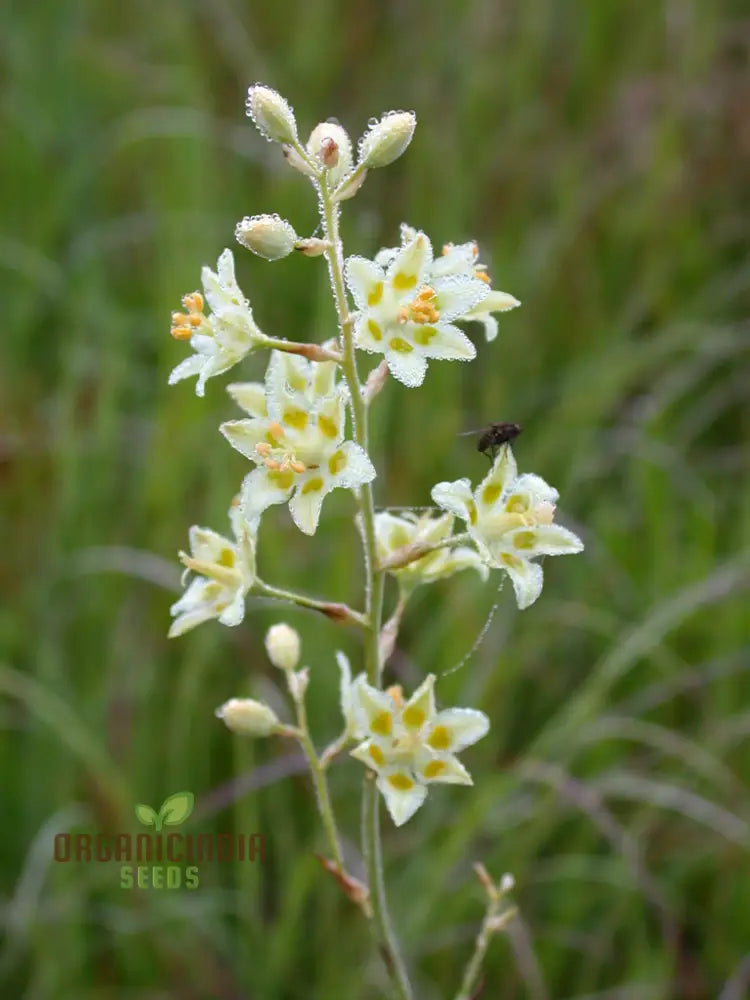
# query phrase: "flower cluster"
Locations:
[[305, 433]]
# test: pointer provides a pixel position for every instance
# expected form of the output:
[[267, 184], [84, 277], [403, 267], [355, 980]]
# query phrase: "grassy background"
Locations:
[[599, 152]]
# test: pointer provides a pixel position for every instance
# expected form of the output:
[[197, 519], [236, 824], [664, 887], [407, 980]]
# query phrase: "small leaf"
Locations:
[[145, 814], [176, 808]]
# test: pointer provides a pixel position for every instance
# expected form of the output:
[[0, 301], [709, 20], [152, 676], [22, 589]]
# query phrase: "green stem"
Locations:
[[374, 586], [332, 609], [321, 785]]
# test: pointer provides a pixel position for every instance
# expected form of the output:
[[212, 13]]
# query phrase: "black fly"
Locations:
[[492, 437]]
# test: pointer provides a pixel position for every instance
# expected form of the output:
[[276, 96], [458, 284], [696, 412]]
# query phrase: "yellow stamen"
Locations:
[[297, 466], [397, 693], [483, 276], [263, 448]]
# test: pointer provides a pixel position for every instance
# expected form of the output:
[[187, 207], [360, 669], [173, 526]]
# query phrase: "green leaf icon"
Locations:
[[146, 815], [176, 808]]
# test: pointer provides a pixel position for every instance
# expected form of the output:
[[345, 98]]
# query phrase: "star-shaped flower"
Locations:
[[460, 260], [225, 572], [410, 745], [510, 518], [393, 533], [295, 435], [221, 338], [407, 315]]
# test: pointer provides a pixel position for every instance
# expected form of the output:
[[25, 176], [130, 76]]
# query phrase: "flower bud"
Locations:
[[283, 646], [294, 159], [330, 144], [312, 247], [387, 139], [267, 235], [272, 115], [248, 717], [352, 185]]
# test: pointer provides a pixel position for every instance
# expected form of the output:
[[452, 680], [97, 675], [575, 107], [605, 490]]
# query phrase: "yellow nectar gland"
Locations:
[[422, 309], [185, 324]]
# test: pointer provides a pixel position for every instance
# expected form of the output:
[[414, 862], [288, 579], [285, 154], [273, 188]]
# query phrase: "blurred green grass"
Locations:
[[599, 153]]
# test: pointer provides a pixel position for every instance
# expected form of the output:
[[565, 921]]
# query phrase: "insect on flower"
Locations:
[[493, 436]]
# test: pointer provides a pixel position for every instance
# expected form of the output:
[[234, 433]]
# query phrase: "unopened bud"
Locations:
[[330, 144], [267, 235], [294, 159], [350, 187], [387, 139], [283, 646], [272, 115], [312, 247], [248, 717]]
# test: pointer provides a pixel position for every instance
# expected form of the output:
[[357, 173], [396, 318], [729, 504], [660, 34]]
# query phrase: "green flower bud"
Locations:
[[272, 115], [248, 717], [267, 235], [387, 139]]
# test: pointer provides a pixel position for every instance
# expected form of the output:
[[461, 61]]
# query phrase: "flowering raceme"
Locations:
[[305, 430]]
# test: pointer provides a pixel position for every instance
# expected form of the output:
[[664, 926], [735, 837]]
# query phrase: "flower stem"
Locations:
[[374, 587], [332, 609], [410, 553]]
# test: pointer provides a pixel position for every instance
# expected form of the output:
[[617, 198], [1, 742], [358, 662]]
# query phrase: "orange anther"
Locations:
[[483, 276], [193, 302], [182, 332], [272, 464], [275, 430], [297, 466], [263, 448]]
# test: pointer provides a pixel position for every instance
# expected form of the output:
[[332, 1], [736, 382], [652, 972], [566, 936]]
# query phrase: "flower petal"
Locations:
[[349, 466], [495, 301], [420, 708], [234, 612], [365, 281], [456, 497], [245, 435], [544, 540], [251, 396], [442, 768], [189, 620], [535, 489], [447, 343], [190, 366], [501, 477], [527, 579], [209, 546], [406, 270], [371, 753], [369, 334], [261, 488], [308, 499], [402, 793], [457, 296], [377, 709], [457, 728], [409, 368]]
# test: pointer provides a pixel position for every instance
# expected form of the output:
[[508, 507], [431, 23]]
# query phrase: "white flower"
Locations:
[[411, 745], [222, 338], [393, 533], [406, 315], [295, 435], [461, 260], [268, 236], [510, 517], [225, 573]]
